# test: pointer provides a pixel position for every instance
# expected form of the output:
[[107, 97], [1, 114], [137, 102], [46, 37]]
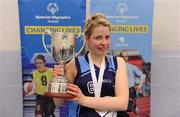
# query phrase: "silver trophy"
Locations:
[[63, 49]]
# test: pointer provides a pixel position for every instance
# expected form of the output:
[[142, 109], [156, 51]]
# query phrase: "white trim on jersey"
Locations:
[[107, 113]]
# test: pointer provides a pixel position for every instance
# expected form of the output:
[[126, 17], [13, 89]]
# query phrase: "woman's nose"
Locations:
[[104, 40]]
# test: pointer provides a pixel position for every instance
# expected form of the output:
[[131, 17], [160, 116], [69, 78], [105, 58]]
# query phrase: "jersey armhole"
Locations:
[[115, 62], [77, 67]]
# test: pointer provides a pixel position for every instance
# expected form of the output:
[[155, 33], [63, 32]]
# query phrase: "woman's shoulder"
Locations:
[[71, 65], [71, 70], [115, 58], [120, 61]]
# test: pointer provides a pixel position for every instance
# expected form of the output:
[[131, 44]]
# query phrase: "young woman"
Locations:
[[99, 82], [44, 106]]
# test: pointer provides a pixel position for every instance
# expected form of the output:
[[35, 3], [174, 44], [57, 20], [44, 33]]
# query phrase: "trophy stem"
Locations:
[[57, 87], [62, 65]]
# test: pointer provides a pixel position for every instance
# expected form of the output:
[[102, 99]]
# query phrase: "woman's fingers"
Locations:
[[73, 89], [56, 70], [76, 92]]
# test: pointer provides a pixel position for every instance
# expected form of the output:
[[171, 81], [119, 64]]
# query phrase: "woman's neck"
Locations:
[[97, 60]]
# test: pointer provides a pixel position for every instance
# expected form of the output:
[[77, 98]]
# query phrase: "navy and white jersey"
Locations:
[[85, 83]]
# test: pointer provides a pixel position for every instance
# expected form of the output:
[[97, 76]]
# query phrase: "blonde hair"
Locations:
[[94, 21]]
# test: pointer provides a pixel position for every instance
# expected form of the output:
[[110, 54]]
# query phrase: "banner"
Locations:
[[36, 17], [131, 33]]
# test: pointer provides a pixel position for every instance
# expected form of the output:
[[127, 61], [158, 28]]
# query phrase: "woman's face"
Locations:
[[99, 41], [39, 64]]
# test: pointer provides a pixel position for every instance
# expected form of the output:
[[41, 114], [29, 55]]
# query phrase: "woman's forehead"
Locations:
[[101, 30]]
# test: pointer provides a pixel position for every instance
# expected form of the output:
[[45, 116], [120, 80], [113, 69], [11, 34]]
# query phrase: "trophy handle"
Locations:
[[78, 35], [43, 40]]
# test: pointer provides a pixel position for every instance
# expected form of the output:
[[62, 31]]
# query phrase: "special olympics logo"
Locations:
[[52, 8], [121, 39], [122, 7]]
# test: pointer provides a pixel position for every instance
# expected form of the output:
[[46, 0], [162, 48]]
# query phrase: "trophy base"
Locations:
[[59, 95]]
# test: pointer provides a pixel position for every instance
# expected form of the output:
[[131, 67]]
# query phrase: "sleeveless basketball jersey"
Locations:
[[85, 83], [41, 79]]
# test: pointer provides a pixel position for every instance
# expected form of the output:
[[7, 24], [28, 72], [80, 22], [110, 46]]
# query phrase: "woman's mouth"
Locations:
[[102, 48]]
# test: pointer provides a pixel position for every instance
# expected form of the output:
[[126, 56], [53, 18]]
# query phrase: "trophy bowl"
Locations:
[[63, 50]]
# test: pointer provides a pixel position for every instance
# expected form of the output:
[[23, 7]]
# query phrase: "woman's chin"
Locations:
[[102, 52]]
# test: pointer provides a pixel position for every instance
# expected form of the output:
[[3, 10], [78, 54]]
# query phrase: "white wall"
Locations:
[[165, 99], [10, 65], [166, 59]]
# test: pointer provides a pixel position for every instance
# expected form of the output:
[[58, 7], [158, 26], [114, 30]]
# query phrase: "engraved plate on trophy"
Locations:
[[63, 49]]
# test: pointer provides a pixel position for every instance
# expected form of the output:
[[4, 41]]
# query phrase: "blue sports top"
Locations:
[[85, 83]]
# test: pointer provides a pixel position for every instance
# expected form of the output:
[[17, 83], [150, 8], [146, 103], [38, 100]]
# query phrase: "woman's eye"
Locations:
[[97, 38], [107, 37]]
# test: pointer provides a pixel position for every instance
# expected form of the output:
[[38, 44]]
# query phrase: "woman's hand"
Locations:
[[58, 70], [76, 92]]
